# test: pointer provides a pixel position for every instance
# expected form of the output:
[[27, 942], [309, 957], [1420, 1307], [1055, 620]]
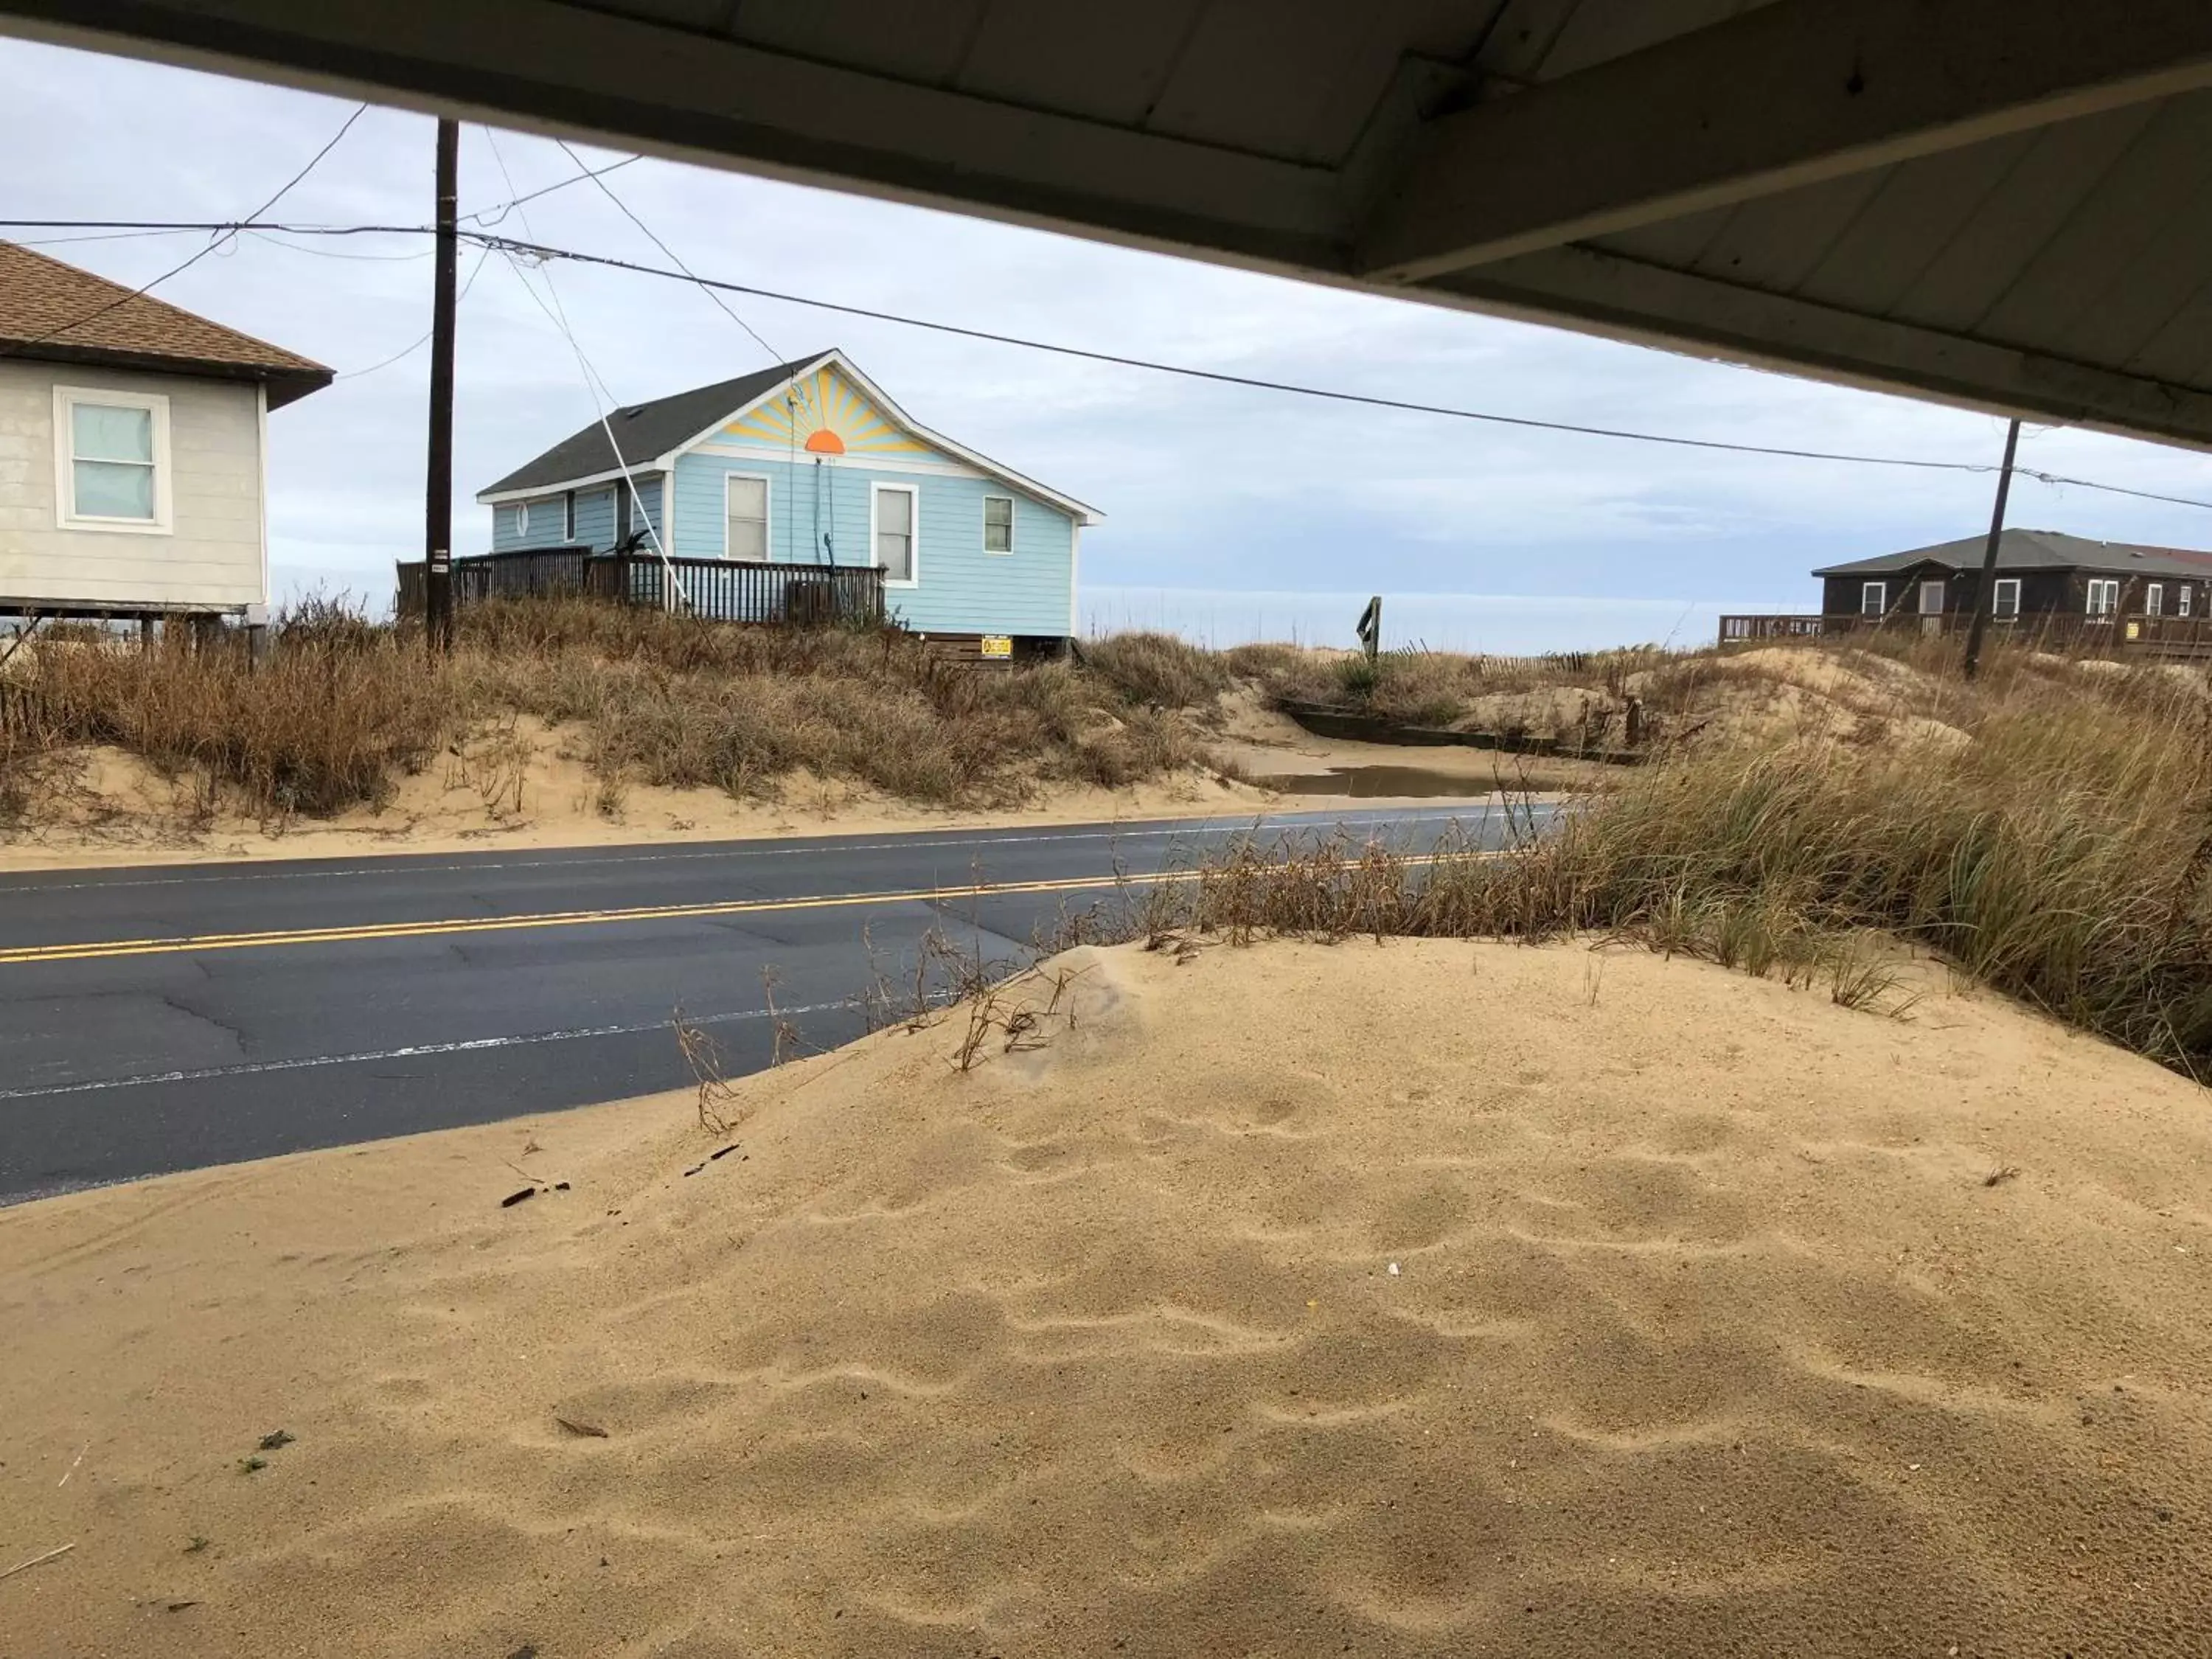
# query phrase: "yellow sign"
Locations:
[[998, 644], [2134, 630]]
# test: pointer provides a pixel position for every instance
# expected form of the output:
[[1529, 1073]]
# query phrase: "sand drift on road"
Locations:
[[1425, 1298]]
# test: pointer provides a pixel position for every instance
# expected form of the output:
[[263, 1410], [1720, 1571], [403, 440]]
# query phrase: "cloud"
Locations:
[[1209, 488]]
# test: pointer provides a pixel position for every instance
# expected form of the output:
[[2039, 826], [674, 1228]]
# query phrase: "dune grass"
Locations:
[[2059, 852], [341, 708]]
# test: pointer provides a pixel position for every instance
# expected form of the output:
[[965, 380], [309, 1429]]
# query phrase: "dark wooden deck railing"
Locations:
[[718, 589], [1742, 630], [2094, 636]]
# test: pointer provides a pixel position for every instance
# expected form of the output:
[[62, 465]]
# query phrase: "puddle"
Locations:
[[1376, 782]]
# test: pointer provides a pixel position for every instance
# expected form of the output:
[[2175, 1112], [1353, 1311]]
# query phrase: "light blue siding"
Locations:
[[595, 519], [545, 526], [961, 588]]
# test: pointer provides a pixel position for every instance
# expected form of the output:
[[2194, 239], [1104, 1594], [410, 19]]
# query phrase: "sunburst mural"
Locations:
[[824, 414]]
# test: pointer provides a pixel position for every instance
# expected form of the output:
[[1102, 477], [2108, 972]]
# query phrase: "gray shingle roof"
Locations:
[[645, 431], [2036, 550]]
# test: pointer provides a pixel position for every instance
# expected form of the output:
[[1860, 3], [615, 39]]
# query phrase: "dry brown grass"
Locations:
[[1158, 670], [341, 707], [2058, 850]]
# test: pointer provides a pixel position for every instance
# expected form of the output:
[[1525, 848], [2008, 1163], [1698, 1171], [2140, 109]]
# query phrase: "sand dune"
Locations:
[[1425, 1299]]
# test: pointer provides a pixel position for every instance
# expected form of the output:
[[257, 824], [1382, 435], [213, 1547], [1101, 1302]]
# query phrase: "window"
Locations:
[[892, 512], [112, 460], [998, 524], [2004, 598], [2183, 608], [568, 516], [2154, 600], [2103, 596], [522, 518], [623, 505], [746, 516], [1874, 598]]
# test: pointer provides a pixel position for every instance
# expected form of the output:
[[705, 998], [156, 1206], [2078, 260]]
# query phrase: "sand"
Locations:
[[504, 794], [525, 788], [1422, 1299]]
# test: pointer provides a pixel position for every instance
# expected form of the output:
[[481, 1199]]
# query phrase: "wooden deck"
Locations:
[[717, 590], [2171, 637]]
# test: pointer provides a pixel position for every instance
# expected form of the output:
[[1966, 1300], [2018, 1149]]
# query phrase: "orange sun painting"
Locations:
[[824, 414]]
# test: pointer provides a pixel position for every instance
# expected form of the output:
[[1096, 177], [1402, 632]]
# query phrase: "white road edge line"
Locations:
[[465, 1045]]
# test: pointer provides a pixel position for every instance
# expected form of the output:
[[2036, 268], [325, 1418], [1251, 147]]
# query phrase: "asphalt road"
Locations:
[[167, 1018]]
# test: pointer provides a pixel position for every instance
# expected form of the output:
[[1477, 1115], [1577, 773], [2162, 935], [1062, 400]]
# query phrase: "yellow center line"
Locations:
[[370, 930]]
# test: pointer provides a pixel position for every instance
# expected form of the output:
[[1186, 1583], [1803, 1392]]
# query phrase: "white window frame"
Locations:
[[2182, 605], [2108, 589], [66, 516], [1998, 611], [1879, 594], [876, 489], [768, 514], [568, 516], [521, 520], [1007, 551], [2154, 600]]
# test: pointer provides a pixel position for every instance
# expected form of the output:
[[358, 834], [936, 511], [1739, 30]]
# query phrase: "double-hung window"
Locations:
[[2104, 597], [746, 518], [112, 460], [1874, 598], [998, 524], [892, 511], [2181, 608], [2004, 598], [2154, 600]]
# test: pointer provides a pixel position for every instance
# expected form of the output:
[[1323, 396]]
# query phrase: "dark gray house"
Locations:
[[2043, 579]]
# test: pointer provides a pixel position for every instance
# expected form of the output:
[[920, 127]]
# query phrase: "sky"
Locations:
[[1231, 513]]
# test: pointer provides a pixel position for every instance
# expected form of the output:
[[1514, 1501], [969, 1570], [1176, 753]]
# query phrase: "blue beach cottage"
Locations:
[[809, 463]]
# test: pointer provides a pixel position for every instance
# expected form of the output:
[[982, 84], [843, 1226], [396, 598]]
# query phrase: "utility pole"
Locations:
[[438, 504], [1986, 594]]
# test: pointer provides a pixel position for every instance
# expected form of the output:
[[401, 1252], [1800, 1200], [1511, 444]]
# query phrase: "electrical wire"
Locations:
[[595, 387], [502, 209], [275, 239], [707, 289], [1220, 377], [484, 254], [546, 252], [218, 240]]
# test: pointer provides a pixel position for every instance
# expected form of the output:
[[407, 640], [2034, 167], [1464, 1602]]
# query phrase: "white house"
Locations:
[[133, 449]]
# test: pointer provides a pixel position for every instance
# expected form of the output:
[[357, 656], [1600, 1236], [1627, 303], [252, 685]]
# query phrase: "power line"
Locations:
[[595, 387], [502, 209], [488, 218], [275, 238], [705, 288], [1219, 376], [482, 255], [285, 190]]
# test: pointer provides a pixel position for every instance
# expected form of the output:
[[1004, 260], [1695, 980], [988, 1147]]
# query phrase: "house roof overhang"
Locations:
[[1913, 195]]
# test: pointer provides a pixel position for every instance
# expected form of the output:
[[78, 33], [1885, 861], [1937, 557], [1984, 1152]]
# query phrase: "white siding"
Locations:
[[211, 556]]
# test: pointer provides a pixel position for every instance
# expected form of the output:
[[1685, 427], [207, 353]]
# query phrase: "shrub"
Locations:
[[1158, 670]]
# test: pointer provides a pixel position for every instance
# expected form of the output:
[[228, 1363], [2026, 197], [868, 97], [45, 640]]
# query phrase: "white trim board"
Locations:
[[876, 489], [1081, 512], [767, 512], [763, 454], [66, 516]]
